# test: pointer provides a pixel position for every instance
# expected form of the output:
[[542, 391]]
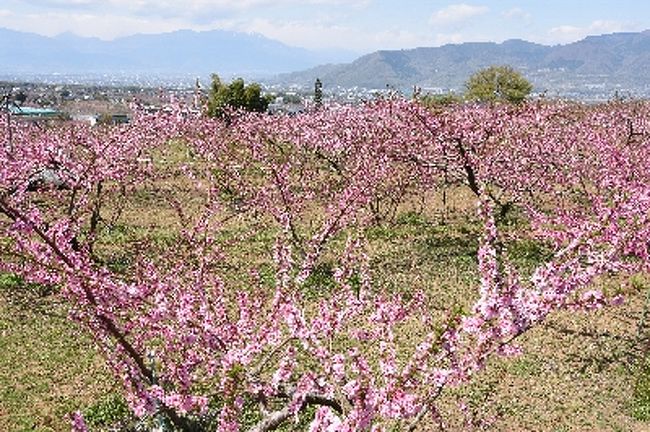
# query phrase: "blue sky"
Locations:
[[357, 25]]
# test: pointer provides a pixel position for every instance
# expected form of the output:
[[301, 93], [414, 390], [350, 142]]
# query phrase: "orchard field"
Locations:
[[382, 267]]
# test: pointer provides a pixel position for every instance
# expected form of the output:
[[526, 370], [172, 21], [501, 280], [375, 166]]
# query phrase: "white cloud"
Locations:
[[517, 13], [449, 38], [456, 13], [192, 4], [108, 19], [83, 24], [211, 7], [196, 11], [569, 33], [320, 35], [59, 3]]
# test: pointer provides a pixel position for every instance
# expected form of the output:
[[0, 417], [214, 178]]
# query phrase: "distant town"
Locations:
[[107, 98], [110, 101], [92, 77]]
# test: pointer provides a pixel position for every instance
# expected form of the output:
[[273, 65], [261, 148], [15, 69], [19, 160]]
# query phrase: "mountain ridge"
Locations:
[[617, 60], [187, 51], [596, 65]]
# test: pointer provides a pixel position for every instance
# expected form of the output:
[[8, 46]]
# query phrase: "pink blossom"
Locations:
[[77, 422]]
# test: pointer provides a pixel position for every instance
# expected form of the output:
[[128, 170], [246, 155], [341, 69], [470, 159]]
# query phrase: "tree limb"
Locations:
[[273, 420]]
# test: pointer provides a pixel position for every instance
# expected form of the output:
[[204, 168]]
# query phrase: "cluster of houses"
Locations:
[[32, 113], [27, 113], [109, 105]]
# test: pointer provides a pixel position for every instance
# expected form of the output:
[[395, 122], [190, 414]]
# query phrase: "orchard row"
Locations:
[[191, 346]]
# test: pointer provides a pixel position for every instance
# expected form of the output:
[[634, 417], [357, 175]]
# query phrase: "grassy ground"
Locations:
[[580, 372], [47, 367]]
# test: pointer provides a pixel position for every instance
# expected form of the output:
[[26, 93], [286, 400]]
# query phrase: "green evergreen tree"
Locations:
[[318, 93], [235, 95]]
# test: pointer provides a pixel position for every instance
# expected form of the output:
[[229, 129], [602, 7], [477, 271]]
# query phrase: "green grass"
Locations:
[[574, 375], [47, 367], [109, 410]]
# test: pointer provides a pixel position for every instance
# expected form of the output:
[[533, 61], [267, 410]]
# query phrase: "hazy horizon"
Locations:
[[360, 26]]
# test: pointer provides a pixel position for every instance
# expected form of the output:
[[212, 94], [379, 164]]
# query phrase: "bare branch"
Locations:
[[273, 420]]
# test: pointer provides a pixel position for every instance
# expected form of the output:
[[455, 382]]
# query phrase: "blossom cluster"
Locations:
[[180, 335]]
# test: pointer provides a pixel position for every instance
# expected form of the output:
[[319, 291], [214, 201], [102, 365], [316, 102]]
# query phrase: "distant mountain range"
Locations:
[[178, 52], [595, 65]]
